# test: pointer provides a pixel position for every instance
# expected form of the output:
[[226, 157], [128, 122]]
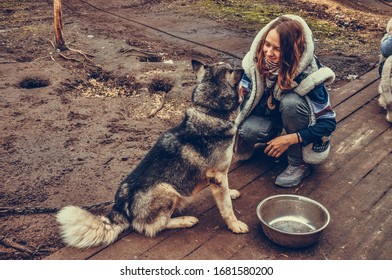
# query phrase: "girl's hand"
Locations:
[[277, 146], [240, 93]]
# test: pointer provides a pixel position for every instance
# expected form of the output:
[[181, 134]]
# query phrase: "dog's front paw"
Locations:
[[389, 117], [234, 194], [189, 221], [182, 222], [382, 102], [239, 227]]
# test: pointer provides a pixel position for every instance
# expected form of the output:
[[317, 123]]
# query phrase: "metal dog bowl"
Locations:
[[291, 220]]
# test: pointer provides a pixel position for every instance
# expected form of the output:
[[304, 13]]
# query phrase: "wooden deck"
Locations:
[[354, 184]]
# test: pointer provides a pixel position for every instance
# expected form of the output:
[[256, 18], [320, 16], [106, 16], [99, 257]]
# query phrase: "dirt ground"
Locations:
[[73, 126]]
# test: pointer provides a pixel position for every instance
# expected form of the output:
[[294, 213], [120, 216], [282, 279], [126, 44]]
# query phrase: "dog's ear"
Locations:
[[234, 76], [199, 69]]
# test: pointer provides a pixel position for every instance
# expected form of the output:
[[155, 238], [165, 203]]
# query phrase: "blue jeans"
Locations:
[[295, 114], [386, 46], [386, 51], [295, 117]]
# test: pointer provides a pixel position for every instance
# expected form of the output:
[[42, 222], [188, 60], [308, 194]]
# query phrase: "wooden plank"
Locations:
[[384, 251], [363, 209], [352, 171], [353, 143], [348, 125], [348, 135], [345, 185], [373, 246], [69, 253], [346, 108], [343, 93]]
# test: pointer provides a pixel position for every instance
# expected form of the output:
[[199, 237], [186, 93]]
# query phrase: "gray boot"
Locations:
[[292, 175]]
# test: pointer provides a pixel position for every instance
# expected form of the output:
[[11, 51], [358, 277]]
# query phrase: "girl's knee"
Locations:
[[292, 105], [295, 112]]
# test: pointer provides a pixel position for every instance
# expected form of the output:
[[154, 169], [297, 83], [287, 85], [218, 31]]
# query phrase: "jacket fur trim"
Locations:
[[385, 89], [323, 75]]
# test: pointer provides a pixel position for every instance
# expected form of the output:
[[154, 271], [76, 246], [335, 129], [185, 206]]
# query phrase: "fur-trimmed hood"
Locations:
[[389, 25], [308, 66], [385, 87]]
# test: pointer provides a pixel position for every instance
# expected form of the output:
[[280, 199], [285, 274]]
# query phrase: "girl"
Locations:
[[284, 88]]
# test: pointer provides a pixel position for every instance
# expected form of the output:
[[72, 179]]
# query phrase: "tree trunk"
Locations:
[[58, 25]]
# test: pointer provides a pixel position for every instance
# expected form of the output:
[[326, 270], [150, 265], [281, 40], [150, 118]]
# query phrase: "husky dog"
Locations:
[[385, 88], [184, 160]]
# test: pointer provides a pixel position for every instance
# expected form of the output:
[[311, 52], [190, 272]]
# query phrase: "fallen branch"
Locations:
[[81, 53], [7, 242], [52, 58], [69, 58], [154, 112], [85, 55], [50, 43], [8, 61], [40, 58], [126, 50]]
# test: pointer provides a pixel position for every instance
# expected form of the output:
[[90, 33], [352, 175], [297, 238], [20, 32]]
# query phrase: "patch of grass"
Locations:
[[254, 14], [6, 4]]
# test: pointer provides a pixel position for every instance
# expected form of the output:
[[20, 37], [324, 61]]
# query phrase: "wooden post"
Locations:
[[58, 25]]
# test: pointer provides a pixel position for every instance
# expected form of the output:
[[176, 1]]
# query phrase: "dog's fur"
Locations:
[[184, 160], [385, 99]]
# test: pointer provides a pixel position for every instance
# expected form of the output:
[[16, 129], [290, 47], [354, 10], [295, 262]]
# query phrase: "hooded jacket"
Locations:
[[309, 82]]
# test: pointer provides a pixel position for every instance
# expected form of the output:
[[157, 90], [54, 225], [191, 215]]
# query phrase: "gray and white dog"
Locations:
[[184, 160]]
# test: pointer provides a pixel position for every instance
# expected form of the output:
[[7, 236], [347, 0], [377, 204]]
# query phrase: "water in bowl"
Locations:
[[292, 224]]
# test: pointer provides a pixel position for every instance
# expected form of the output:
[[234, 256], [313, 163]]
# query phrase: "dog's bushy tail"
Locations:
[[82, 229]]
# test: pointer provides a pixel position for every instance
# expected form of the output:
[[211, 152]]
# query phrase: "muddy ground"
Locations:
[[73, 126]]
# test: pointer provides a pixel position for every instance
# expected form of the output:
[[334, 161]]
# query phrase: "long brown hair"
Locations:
[[292, 46]]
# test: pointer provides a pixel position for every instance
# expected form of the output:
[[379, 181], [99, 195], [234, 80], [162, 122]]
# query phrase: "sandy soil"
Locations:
[[72, 127]]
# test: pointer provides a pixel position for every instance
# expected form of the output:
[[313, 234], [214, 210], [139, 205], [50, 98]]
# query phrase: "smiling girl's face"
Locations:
[[271, 46]]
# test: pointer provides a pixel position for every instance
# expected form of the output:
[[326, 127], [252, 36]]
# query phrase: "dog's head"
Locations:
[[217, 88]]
